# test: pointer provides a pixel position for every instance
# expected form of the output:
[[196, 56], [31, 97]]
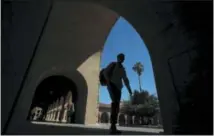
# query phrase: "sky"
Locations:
[[123, 38]]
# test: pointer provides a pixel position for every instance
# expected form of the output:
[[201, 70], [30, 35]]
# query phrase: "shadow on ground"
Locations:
[[77, 129]]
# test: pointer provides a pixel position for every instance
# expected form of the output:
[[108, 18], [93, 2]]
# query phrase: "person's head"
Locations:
[[120, 58]]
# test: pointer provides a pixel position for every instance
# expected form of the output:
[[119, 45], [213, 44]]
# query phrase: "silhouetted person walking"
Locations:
[[112, 77]]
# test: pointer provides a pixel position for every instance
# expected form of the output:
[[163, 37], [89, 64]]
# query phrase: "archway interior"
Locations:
[[53, 92], [104, 117], [122, 120], [129, 119]]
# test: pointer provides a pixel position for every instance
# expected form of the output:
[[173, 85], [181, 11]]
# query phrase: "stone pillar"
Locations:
[[47, 119], [64, 118], [65, 115], [46, 116], [126, 119], [58, 115], [52, 115], [109, 118], [61, 115], [142, 120], [49, 116], [152, 121], [55, 115], [61, 109]]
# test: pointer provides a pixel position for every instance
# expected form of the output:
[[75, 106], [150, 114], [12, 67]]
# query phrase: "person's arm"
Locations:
[[126, 82], [107, 70]]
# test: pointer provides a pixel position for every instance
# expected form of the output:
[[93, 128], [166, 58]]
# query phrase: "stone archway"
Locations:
[[147, 17], [122, 119], [136, 120], [54, 95], [104, 117], [69, 108], [129, 120]]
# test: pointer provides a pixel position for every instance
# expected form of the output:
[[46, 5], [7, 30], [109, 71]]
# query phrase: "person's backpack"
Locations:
[[102, 77]]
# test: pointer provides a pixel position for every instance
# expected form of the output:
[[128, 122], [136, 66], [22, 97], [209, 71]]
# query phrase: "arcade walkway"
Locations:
[[97, 129]]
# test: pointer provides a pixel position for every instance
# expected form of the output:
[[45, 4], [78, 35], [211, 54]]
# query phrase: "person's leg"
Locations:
[[116, 107], [111, 89], [115, 95]]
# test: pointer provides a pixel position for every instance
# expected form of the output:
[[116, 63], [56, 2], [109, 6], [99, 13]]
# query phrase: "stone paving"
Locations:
[[100, 129]]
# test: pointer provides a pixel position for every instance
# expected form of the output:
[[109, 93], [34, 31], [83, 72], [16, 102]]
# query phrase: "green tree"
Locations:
[[141, 104], [138, 68], [140, 97]]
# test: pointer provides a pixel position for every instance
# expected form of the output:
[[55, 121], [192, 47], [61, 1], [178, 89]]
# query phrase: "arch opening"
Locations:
[[122, 119], [55, 100], [130, 120], [123, 38], [164, 85], [104, 117]]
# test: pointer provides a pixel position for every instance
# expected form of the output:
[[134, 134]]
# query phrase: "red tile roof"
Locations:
[[104, 105]]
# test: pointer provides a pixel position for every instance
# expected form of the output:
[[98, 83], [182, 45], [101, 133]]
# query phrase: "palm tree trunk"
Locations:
[[139, 83]]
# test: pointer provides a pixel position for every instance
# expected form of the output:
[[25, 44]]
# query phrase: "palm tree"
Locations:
[[138, 68]]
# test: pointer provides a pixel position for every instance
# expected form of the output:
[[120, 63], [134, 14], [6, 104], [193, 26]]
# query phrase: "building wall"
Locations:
[[20, 32], [124, 119], [71, 44]]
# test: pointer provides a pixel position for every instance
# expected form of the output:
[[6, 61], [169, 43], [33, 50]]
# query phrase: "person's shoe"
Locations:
[[113, 130]]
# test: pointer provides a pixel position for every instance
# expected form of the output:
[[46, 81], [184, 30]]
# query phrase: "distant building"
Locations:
[[123, 119]]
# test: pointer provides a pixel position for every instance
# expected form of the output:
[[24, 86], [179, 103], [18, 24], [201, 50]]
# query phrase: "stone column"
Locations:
[[140, 120], [109, 118], [126, 120], [49, 119], [64, 118], [49, 116], [46, 116], [52, 114], [133, 122], [58, 115], [55, 115], [65, 115]]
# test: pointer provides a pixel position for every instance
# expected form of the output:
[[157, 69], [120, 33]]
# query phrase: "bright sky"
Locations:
[[123, 38]]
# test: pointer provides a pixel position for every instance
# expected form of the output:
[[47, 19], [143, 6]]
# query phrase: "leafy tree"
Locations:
[[141, 104]]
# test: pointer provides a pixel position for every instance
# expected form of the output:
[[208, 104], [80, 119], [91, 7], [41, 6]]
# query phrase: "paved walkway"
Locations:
[[98, 129]]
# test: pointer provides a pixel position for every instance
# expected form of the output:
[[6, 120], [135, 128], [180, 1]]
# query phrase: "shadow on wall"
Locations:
[[58, 97], [63, 55]]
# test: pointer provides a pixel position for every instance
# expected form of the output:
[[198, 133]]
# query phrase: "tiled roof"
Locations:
[[104, 105], [107, 105]]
